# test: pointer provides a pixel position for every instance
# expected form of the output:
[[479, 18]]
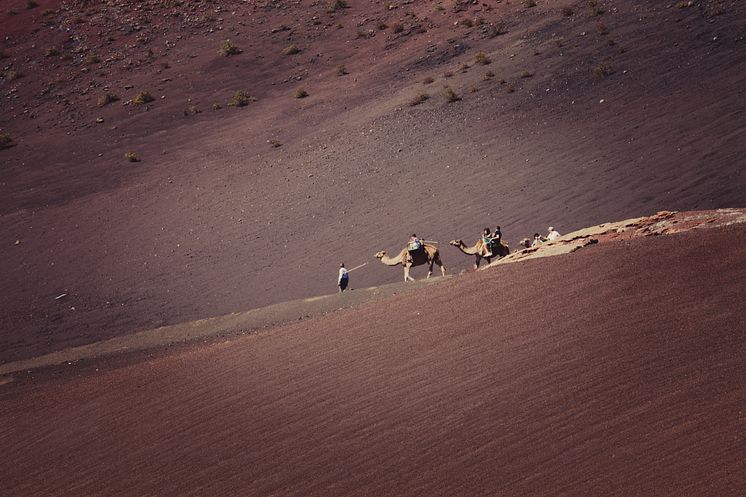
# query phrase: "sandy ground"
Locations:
[[214, 220], [616, 370]]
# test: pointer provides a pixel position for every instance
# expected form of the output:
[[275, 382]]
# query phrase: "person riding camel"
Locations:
[[487, 242], [414, 244]]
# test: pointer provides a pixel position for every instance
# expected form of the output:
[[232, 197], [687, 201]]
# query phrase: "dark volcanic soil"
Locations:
[[617, 370], [214, 219]]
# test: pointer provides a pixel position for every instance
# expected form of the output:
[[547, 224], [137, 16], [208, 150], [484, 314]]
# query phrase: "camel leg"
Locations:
[[442, 267], [406, 274]]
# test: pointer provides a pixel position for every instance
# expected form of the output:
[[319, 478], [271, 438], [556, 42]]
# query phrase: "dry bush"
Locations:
[[527, 74], [595, 8], [567, 11], [131, 157], [13, 75], [341, 70], [603, 70], [451, 96], [488, 75], [6, 141], [529, 3], [192, 110], [216, 106], [447, 74], [602, 29], [106, 99], [418, 99], [427, 80], [336, 5], [274, 143], [240, 99], [397, 27], [482, 58], [30, 4], [300, 93], [463, 67], [227, 49], [494, 30], [91, 58], [467, 22], [381, 25], [290, 50], [143, 98], [51, 52]]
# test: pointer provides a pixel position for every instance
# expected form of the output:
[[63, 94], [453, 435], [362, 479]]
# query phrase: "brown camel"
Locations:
[[429, 255], [498, 250]]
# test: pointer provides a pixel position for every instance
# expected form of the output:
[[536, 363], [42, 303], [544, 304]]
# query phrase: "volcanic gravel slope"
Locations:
[[582, 116], [616, 370]]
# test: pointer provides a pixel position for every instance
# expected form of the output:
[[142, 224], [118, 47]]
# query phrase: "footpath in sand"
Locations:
[[662, 223]]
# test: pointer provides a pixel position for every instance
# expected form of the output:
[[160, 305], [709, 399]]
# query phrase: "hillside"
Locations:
[[586, 112], [616, 370]]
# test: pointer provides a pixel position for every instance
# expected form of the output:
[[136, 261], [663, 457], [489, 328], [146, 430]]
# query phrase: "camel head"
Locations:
[[380, 255], [456, 243]]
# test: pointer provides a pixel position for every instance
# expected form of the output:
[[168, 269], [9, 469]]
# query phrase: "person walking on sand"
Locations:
[[344, 278], [552, 234]]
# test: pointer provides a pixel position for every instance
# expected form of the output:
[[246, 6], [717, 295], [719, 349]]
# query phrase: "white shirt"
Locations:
[[553, 235], [342, 274]]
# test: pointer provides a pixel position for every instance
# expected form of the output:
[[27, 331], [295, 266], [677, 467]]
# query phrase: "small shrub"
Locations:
[[51, 52], [92, 58], [143, 98], [336, 5], [12, 13], [603, 70], [106, 99], [602, 29], [30, 4], [240, 99], [397, 28], [290, 50], [131, 157], [488, 75], [451, 96], [463, 67], [427, 80], [447, 74], [216, 106], [595, 8], [497, 29], [13, 75], [567, 11], [510, 89], [529, 3], [381, 25], [6, 141], [227, 49], [417, 100], [482, 58], [274, 143], [341, 70], [300, 93], [527, 74], [467, 22], [192, 110]]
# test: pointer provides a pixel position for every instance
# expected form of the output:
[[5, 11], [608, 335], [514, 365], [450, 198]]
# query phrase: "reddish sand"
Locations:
[[616, 370]]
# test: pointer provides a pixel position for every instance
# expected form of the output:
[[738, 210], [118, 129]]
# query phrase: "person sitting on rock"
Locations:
[[552, 234], [537, 240], [486, 242]]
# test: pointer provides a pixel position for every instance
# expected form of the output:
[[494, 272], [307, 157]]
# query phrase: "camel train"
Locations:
[[429, 254]]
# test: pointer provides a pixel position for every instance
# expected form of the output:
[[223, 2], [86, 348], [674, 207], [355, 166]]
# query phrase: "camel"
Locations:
[[429, 255], [499, 250]]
